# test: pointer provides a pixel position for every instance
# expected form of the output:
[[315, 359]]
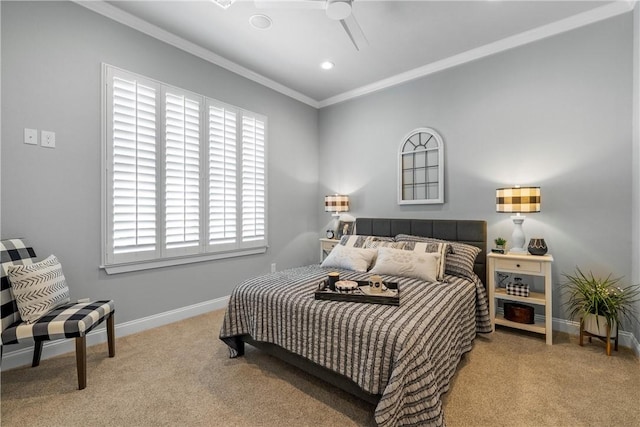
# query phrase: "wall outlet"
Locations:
[[273, 267], [31, 136], [48, 139]]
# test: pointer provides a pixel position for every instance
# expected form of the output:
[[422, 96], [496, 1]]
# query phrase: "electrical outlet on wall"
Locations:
[[48, 139], [273, 267]]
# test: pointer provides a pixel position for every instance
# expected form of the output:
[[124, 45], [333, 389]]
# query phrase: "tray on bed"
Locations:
[[389, 297]]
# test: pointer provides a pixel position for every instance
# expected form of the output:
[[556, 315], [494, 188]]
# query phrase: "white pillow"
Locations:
[[350, 258], [431, 247], [398, 262], [38, 288]]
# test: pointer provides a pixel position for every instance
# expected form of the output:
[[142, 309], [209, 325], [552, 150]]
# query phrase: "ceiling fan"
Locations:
[[338, 10]]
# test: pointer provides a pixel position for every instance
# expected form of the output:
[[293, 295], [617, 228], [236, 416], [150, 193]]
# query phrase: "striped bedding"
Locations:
[[408, 354]]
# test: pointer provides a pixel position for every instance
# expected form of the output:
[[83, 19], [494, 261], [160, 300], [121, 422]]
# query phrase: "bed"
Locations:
[[401, 358]]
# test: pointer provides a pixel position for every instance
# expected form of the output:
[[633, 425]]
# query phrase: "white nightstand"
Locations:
[[326, 246], [522, 265]]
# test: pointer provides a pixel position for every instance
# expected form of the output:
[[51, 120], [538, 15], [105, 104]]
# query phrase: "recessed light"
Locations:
[[327, 65], [261, 22]]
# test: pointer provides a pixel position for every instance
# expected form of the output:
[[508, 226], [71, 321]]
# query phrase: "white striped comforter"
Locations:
[[408, 354]]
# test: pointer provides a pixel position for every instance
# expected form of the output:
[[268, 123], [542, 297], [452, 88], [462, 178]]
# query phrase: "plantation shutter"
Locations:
[[222, 175], [184, 176], [133, 132], [253, 179], [182, 171]]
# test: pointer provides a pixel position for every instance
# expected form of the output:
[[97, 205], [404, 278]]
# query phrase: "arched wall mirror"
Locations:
[[421, 168]]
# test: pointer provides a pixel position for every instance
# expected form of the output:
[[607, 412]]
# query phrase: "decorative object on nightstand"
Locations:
[[537, 246], [345, 228], [330, 234], [520, 265], [600, 304], [518, 200], [501, 245], [518, 288]]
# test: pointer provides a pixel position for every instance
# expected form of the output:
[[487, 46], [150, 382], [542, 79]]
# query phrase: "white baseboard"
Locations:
[[14, 359]]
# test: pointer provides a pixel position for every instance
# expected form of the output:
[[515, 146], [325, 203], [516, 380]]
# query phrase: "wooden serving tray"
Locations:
[[389, 297]]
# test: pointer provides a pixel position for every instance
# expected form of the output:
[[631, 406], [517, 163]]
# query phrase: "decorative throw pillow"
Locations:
[[399, 262], [431, 247], [459, 261], [38, 288], [361, 241], [375, 243], [350, 258]]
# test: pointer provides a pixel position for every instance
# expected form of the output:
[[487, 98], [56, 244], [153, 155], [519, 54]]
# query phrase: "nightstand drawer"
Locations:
[[517, 265], [328, 246]]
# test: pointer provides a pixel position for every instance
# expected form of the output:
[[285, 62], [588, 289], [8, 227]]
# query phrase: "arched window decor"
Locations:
[[421, 168]]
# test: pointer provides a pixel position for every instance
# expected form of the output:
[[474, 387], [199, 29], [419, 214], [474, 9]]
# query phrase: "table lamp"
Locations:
[[335, 204], [518, 200]]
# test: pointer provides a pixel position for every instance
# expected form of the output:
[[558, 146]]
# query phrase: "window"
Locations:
[[421, 168], [184, 176]]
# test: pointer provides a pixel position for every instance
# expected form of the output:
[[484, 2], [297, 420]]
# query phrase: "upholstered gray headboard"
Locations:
[[472, 232]]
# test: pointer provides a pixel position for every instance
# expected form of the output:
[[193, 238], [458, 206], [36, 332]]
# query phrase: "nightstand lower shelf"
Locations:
[[537, 327]]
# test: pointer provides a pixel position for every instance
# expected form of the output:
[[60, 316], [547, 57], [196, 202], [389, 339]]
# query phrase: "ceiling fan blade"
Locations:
[[290, 4], [353, 30]]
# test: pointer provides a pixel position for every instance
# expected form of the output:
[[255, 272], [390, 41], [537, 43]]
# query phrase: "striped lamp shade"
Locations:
[[336, 203], [518, 199]]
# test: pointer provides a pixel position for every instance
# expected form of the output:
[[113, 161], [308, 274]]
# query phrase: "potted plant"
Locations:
[[599, 303], [500, 243]]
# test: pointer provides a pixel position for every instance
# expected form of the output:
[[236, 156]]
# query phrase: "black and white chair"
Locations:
[[35, 305]]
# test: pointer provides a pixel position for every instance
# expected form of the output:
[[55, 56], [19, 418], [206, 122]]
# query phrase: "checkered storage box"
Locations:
[[518, 289]]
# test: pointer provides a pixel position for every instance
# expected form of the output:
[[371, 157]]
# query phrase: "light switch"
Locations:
[[31, 136], [48, 139]]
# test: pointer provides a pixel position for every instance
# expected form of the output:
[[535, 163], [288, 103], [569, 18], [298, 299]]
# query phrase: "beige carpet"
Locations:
[[180, 375]]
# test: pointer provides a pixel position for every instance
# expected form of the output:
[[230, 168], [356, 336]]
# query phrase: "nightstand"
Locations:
[[521, 265], [326, 246]]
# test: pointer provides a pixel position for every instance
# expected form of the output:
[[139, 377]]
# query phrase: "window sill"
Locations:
[[168, 262]]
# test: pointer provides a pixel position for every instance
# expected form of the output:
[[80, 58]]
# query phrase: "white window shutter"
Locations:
[[134, 167], [184, 176], [222, 175], [182, 171], [253, 179]]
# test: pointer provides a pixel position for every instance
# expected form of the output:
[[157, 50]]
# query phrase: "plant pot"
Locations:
[[598, 327]]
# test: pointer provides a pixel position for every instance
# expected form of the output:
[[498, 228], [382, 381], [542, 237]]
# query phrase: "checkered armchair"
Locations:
[[70, 320]]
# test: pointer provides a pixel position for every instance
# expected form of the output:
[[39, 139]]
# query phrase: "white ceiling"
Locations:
[[406, 38]]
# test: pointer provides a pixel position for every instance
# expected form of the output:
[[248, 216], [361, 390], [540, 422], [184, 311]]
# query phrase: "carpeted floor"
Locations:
[[180, 375]]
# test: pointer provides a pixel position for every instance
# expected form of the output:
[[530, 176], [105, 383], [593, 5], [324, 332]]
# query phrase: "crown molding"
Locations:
[[555, 28], [154, 31], [598, 14]]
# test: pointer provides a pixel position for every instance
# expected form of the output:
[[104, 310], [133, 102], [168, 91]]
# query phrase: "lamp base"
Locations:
[[517, 238]]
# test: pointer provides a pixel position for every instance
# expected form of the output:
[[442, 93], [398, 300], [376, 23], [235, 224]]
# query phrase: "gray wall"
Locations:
[[51, 56], [555, 113]]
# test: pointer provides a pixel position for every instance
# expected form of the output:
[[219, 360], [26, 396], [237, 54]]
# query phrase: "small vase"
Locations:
[[537, 246], [597, 325]]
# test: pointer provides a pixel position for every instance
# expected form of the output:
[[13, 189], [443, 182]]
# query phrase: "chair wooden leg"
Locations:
[[81, 361], [608, 340], [111, 335], [37, 353], [581, 332]]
